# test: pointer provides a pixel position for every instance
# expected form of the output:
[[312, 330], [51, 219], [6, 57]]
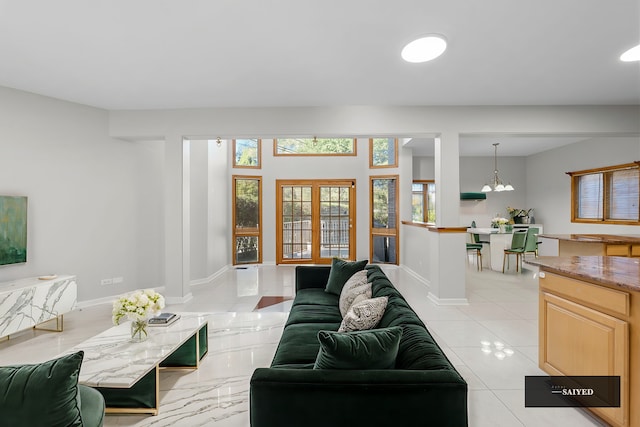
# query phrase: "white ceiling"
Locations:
[[154, 54]]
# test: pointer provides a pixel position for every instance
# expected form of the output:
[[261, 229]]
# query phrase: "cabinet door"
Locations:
[[577, 340]]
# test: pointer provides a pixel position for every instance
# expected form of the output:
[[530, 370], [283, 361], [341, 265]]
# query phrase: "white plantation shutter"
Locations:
[[611, 194], [623, 195]]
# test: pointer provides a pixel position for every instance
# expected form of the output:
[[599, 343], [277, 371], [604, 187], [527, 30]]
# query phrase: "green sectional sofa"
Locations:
[[422, 389]]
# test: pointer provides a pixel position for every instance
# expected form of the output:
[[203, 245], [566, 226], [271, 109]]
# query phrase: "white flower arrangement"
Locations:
[[497, 221], [137, 306]]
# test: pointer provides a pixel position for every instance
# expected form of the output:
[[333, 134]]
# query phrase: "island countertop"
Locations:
[[609, 270], [595, 238]]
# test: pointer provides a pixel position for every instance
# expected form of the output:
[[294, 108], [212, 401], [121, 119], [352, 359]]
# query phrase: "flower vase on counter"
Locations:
[[139, 330]]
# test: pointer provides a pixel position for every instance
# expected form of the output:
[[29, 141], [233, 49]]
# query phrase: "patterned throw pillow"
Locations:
[[364, 315], [356, 285]]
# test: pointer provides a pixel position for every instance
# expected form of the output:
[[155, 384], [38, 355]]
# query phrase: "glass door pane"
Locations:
[[296, 222], [384, 219], [335, 221]]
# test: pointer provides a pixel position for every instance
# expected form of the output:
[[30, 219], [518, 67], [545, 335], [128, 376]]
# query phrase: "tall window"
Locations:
[[247, 217], [384, 219], [246, 153], [383, 152], [423, 201], [314, 147], [607, 195]]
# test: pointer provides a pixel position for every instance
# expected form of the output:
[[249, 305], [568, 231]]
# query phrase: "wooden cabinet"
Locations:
[[585, 330], [618, 250]]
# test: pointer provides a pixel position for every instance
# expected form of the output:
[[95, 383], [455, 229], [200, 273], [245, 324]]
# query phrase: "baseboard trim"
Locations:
[[211, 278], [447, 301], [416, 276]]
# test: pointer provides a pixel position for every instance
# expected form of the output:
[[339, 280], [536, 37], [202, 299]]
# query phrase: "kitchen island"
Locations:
[[596, 244], [589, 324]]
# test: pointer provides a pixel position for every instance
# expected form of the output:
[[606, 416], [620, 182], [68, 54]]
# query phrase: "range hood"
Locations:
[[473, 196]]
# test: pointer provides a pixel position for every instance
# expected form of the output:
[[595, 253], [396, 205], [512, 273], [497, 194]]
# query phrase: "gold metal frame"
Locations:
[[59, 324]]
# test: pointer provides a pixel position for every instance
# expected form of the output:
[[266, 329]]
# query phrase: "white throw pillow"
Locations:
[[364, 315], [356, 285]]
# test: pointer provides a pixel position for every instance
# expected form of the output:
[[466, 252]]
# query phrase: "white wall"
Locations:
[[93, 200], [210, 200], [549, 187], [476, 171]]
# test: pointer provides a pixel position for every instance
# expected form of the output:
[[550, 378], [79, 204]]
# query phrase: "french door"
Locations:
[[315, 221]]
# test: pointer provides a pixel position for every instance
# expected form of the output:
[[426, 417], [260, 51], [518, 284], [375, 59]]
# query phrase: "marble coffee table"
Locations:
[[128, 374]]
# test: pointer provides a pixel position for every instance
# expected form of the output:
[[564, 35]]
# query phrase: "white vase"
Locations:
[[503, 228]]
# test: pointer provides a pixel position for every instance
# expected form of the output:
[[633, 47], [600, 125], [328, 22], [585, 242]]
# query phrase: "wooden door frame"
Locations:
[[315, 185]]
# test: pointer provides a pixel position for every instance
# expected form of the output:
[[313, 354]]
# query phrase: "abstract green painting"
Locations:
[[13, 230]]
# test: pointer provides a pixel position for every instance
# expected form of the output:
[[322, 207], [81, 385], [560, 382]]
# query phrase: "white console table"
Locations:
[[26, 303]]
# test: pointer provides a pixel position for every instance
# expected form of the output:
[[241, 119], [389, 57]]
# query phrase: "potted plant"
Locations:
[[519, 216]]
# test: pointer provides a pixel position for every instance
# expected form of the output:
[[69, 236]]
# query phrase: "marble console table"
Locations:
[[127, 373], [26, 303]]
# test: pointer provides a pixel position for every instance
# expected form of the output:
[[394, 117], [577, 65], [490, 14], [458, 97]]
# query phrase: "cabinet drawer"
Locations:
[[618, 250], [635, 250], [598, 297]]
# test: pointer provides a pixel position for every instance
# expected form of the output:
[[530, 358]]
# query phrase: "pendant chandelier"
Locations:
[[496, 182]]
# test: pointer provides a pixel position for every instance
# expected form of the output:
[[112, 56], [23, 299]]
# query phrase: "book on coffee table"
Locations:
[[163, 319]]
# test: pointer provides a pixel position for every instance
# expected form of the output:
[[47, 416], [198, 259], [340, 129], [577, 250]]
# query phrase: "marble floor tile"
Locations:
[[486, 410], [536, 417], [499, 367]]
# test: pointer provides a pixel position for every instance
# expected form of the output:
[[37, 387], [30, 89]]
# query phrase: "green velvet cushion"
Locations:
[[43, 394], [315, 297], [372, 349], [341, 271], [299, 343]]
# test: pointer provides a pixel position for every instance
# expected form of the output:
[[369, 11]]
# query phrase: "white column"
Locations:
[[177, 220], [447, 262]]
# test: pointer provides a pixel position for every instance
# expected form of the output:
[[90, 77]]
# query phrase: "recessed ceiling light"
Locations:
[[632, 54], [424, 49]]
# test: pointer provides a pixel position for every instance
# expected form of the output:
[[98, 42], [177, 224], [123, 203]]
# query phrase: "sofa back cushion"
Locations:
[[44, 394]]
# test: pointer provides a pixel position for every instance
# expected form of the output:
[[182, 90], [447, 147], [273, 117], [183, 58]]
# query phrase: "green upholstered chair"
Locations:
[[476, 237], [531, 244], [517, 248], [475, 247]]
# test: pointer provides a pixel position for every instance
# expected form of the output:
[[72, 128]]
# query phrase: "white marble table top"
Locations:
[[112, 360], [14, 285]]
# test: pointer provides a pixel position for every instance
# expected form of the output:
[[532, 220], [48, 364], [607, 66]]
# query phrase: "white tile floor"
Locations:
[[492, 342]]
